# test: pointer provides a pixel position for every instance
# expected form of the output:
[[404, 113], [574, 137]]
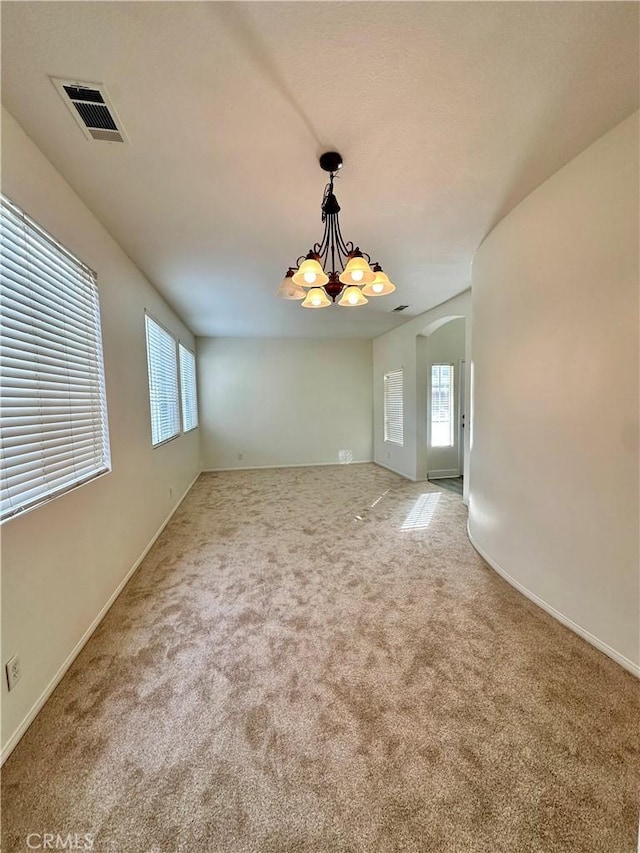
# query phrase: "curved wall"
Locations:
[[554, 456]]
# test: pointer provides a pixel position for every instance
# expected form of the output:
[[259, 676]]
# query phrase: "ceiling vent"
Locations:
[[92, 109], [399, 309]]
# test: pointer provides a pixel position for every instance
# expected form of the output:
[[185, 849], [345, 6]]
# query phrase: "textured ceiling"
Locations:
[[446, 114]]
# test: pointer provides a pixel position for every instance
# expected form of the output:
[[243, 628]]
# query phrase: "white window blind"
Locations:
[[188, 391], [162, 364], [393, 407], [442, 414], [53, 424]]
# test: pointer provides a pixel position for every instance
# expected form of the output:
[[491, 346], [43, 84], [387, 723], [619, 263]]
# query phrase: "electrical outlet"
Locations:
[[13, 671], [170, 493], [239, 455], [388, 456]]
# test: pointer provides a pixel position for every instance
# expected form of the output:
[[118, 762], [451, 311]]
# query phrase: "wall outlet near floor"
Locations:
[[13, 671], [388, 456], [170, 493], [239, 455]]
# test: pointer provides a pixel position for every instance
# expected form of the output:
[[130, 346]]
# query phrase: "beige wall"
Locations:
[[62, 562], [284, 402], [554, 455]]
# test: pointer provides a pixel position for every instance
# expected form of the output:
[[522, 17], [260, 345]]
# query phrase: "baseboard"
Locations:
[[623, 661], [444, 473], [24, 725], [294, 465], [394, 471]]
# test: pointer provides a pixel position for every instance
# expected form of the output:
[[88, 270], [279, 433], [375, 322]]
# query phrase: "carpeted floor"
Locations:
[[317, 661]]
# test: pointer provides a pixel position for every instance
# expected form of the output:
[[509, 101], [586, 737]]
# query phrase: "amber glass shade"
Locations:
[[289, 290], [380, 286], [310, 274], [316, 298], [357, 271], [352, 296]]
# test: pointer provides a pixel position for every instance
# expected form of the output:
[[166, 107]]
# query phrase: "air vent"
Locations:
[[92, 109], [399, 309]]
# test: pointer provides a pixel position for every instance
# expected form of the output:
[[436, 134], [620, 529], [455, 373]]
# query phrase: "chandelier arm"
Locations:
[[344, 248], [323, 247], [334, 220], [317, 249], [324, 257]]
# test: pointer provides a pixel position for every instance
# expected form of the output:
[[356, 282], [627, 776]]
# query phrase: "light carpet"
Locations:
[[316, 660]]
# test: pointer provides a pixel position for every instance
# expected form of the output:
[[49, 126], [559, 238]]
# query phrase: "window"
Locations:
[[171, 391], [188, 393], [393, 407], [162, 363], [53, 429], [442, 405]]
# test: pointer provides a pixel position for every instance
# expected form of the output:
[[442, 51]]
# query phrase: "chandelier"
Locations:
[[334, 268]]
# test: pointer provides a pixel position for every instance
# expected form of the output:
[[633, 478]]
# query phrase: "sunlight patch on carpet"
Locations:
[[377, 500], [422, 512]]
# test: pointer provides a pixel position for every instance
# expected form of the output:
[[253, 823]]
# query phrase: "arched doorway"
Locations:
[[442, 396]]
